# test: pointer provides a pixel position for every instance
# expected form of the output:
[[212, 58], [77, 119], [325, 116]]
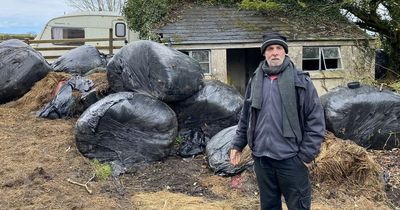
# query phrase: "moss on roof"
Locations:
[[220, 24]]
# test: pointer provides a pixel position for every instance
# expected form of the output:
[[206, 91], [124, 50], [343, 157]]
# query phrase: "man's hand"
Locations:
[[308, 165], [234, 156], [311, 165]]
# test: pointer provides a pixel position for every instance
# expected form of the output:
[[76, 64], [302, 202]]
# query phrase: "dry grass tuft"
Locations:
[[344, 163], [43, 91], [245, 197], [171, 201], [100, 82]]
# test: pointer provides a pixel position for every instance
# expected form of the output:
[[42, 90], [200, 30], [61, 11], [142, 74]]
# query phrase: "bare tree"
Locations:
[[97, 5]]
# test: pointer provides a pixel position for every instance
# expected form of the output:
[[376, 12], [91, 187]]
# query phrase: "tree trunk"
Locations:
[[393, 43]]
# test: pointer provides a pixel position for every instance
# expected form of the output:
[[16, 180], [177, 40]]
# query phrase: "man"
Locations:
[[283, 123]]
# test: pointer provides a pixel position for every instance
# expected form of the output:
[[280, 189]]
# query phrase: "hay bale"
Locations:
[[80, 60], [155, 69], [365, 115], [344, 163], [100, 82], [128, 128], [41, 93], [21, 67], [217, 151], [341, 159], [213, 108]]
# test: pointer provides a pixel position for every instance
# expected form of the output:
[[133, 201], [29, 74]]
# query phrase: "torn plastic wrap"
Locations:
[[365, 115], [217, 150], [215, 107], [193, 142], [127, 128], [20, 67], [64, 104], [80, 60], [155, 69]]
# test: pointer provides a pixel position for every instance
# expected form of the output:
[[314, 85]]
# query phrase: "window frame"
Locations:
[[115, 29], [321, 58], [190, 54], [66, 43]]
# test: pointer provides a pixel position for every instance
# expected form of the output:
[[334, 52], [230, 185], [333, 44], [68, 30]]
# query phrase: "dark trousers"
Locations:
[[288, 177]]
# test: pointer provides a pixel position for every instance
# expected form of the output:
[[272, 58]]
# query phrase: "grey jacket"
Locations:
[[311, 116]]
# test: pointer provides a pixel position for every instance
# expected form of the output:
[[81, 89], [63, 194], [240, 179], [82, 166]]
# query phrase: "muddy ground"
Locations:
[[40, 161]]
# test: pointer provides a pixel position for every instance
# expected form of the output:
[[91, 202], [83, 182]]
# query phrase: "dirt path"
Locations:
[[39, 155]]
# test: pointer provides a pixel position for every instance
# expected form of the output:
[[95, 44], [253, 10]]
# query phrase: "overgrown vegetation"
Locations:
[[382, 17], [102, 171], [395, 86], [260, 5], [143, 15]]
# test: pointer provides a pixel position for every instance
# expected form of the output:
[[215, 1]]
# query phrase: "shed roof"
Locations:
[[216, 24]]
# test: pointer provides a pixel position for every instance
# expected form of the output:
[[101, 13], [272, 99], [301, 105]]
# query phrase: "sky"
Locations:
[[29, 16]]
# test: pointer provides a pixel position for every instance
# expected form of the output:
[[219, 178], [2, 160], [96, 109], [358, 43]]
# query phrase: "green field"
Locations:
[[16, 36]]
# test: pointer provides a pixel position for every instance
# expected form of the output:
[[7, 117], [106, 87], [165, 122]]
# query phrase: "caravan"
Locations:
[[89, 28]]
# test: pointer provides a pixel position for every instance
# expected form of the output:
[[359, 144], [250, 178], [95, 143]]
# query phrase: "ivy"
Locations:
[[260, 5], [145, 15], [142, 15], [221, 2]]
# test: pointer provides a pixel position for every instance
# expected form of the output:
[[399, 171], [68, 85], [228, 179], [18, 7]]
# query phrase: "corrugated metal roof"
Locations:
[[201, 24]]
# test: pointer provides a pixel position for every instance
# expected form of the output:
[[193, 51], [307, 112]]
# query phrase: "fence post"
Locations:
[[110, 41]]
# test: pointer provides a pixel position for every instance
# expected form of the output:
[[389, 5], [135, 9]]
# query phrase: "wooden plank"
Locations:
[[72, 47], [72, 40], [51, 56]]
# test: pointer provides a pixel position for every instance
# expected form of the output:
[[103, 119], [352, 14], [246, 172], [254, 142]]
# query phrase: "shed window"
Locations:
[[68, 33], [321, 58], [120, 29], [201, 56]]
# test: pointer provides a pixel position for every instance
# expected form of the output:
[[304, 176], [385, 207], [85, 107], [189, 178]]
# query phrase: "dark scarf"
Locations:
[[290, 117]]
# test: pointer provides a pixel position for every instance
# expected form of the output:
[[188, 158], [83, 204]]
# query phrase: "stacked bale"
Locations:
[[128, 128], [20, 67], [155, 69], [80, 60], [365, 115]]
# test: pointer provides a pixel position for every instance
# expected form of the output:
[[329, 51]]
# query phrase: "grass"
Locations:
[[102, 171], [16, 36], [396, 86]]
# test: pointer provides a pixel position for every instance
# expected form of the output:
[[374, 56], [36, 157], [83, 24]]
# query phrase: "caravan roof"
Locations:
[[89, 13], [87, 19]]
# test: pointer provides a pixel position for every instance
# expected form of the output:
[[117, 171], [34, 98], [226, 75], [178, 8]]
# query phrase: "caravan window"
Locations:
[[120, 29], [321, 58], [68, 33]]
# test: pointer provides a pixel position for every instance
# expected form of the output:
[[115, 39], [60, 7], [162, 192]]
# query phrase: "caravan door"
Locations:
[[120, 31]]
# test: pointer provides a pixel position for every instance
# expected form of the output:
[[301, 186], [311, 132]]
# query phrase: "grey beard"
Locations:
[[274, 69]]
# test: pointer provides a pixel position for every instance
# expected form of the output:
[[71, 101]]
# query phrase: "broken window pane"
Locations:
[[321, 58], [201, 56], [311, 52], [330, 52]]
